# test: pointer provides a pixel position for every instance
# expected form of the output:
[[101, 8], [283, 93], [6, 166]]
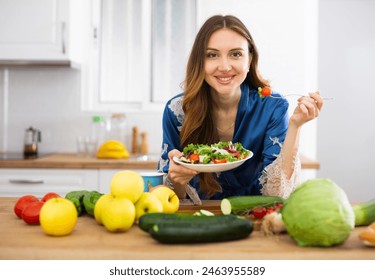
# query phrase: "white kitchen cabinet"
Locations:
[[18, 182], [39, 29]]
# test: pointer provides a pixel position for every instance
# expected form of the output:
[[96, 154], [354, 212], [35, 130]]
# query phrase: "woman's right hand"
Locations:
[[179, 175]]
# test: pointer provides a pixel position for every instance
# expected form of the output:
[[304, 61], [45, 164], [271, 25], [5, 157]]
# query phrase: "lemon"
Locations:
[[100, 205], [128, 184], [58, 216], [118, 214]]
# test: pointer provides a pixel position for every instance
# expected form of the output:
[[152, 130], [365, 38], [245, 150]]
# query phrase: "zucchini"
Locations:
[[240, 205], [364, 213], [202, 229], [147, 221]]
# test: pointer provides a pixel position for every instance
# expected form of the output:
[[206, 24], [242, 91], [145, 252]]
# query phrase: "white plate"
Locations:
[[219, 167]]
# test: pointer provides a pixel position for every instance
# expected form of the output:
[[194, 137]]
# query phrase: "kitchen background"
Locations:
[[304, 45]]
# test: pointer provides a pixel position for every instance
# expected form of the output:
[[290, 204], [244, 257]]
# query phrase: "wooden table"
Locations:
[[91, 241]]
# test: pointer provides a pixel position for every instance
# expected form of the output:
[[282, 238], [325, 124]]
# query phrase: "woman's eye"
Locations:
[[237, 54], [211, 55]]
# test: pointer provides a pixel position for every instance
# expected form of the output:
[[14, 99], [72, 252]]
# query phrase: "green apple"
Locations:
[[168, 198], [147, 203]]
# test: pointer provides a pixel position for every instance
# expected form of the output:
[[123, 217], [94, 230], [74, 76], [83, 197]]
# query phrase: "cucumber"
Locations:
[[364, 213], [147, 221], [89, 200], [240, 205], [202, 229], [77, 198]]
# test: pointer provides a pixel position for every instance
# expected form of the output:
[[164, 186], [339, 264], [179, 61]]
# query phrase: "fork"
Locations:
[[292, 94]]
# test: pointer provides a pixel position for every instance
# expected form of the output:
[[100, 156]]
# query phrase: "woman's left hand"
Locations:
[[308, 108]]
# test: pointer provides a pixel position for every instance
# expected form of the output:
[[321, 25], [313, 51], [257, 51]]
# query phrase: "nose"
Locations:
[[224, 65]]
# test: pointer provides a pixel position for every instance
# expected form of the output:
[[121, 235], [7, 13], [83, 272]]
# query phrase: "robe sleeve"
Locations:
[[273, 179]]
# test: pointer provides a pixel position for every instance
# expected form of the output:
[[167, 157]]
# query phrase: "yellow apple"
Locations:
[[118, 214], [100, 205], [168, 199], [128, 184], [147, 203], [58, 216]]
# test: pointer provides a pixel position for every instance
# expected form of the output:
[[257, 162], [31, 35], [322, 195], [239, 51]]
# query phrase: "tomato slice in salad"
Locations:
[[194, 157], [217, 161]]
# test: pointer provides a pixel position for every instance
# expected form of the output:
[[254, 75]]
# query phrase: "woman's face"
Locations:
[[227, 61]]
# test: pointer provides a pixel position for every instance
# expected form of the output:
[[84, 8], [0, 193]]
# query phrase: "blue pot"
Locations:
[[152, 178]]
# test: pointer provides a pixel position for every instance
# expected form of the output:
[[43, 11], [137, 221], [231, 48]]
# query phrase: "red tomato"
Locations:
[[31, 213], [279, 206], [49, 196], [216, 161], [22, 202], [266, 91], [259, 212], [194, 157]]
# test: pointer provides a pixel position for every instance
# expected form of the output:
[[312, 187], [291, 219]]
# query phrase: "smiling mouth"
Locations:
[[225, 79]]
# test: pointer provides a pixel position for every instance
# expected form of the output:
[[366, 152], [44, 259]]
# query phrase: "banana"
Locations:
[[112, 149]]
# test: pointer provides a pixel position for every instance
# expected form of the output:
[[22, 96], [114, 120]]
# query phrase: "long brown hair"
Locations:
[[198, 126]]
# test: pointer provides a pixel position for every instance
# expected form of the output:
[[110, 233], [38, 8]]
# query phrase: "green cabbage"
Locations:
[[318, 213]]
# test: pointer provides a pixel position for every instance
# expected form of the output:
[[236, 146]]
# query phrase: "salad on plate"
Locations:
[[218, 153]]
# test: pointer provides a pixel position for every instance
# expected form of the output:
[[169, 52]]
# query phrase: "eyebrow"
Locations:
[[235, 49]]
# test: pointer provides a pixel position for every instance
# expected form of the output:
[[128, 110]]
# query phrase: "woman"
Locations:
[[221, 103]]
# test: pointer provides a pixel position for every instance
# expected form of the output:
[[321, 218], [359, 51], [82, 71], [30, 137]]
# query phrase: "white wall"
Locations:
[[49, 99], [346, 130]]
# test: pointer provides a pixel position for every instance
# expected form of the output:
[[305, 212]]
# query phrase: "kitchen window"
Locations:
[[138, 51]]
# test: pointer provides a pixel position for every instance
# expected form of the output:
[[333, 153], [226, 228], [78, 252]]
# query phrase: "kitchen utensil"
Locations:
[[152, 178], [293, 94], [144, 144], [193, 195], [135, 140], [32, 138]]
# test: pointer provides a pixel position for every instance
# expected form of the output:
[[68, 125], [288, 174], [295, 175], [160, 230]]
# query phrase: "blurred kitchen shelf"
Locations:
[[38, 63]]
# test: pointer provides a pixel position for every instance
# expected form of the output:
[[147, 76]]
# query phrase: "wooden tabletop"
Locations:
[[74, 161], [92, 241]]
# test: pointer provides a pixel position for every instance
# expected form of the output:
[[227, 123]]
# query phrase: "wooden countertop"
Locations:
[[91, 241], [73, 161]]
